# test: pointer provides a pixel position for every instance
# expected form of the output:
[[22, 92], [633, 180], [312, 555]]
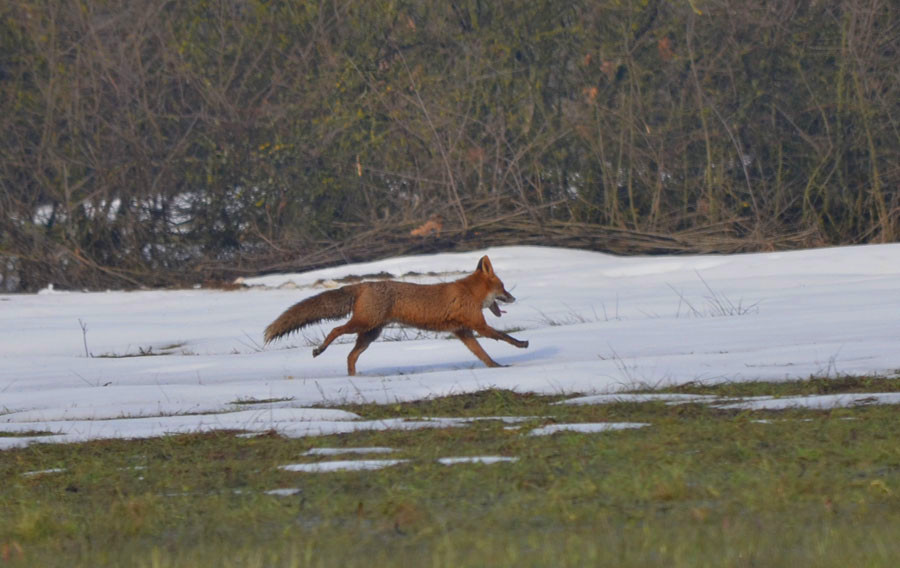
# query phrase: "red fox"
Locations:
[[452, 306]]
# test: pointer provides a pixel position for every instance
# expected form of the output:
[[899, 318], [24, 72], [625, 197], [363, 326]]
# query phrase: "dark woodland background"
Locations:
[[164, 143]]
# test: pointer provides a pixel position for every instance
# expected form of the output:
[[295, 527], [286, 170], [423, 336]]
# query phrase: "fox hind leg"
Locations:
[[362, 342], [349, 327], [468, 339]]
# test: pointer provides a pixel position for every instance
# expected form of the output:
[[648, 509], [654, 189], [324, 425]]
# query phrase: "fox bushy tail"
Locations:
[[333, 304]]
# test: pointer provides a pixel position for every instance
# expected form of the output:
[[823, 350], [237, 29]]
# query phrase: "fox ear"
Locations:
[[484, 265]]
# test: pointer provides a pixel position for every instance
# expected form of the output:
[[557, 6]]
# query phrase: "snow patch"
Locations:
[[284, 492], [586, 427], [477, 459], [340, 465], [815, 402]]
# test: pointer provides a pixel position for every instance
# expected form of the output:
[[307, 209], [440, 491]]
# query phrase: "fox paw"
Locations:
[[317, 351], [522, 344]]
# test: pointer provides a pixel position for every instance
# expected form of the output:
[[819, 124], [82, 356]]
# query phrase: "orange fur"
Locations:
[[453, 306]]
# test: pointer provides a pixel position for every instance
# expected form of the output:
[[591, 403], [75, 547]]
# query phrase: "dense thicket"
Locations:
[[156, 141]]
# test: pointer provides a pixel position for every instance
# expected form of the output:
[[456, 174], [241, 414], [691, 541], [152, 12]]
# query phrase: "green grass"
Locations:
[[699, 487], [811, 386]]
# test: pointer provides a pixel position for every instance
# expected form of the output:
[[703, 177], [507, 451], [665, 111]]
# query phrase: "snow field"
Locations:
[[81, 366]]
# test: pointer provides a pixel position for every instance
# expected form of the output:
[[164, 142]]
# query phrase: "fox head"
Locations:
[[495, 289]]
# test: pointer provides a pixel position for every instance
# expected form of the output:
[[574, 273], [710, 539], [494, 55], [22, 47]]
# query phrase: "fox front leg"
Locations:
[[468, 339], [488, 331]]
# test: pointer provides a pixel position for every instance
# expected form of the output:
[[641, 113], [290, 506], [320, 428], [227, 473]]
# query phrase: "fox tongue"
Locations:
[[495, 309]]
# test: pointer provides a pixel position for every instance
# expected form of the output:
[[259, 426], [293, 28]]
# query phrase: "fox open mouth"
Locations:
[[495, 309]]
